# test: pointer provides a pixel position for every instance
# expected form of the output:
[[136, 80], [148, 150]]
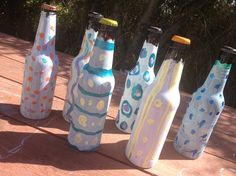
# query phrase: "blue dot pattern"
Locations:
[[146, 76], [135, 70], [141, 76], [128, 83], [202, 114], [123, 125], [126, 109], [152, 60], [143, 53]]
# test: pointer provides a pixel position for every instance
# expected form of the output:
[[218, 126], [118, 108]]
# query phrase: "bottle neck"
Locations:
[[170, 74], [45, 36], [88, 42], [147, 56], [153, 39], [217, 77], [226, 57], [93, 24], [176, 53], [102, 53]]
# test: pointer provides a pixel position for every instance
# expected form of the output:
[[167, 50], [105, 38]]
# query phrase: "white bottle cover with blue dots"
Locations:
[[202, 113], [137, 80]]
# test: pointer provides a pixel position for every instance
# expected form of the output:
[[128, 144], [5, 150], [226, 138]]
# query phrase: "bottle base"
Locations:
[[92, 149], [149, 165], [187, 154], [66, 111], [34, 116]]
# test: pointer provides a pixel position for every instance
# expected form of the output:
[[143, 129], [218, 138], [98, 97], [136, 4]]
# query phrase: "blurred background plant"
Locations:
[[210, 25]]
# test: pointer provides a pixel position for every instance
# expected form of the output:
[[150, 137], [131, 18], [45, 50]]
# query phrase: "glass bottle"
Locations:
[[93, 91], [80, 60], [137, 81], [205, 108], [157, 109], [40, 69]]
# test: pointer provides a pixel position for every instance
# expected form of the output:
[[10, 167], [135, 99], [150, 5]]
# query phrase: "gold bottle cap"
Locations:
[[47, 7], [182, 40], [109, 22]]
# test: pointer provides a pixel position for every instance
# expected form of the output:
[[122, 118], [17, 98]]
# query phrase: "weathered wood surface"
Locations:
[[219, 156]]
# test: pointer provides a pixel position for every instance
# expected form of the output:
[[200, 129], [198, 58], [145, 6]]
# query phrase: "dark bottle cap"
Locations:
[[154, 30], [228, 49], [154, 34], [227, 54], [95, 16], [93, 21], [146, 28], [151, 33]]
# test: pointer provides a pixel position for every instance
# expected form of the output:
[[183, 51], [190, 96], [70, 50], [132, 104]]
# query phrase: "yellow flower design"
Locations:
[[82, 120], [158, 103], [102, 57], [82, 101], [90, 102], [90, 83], [78, 138], [52, 28], [145, 139], [150, 121], [100, 105], [139, 153], [94, 141]]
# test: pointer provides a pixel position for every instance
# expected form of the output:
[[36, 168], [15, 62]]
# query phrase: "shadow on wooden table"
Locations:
[[54, 121], [43, 149], [222, 142]]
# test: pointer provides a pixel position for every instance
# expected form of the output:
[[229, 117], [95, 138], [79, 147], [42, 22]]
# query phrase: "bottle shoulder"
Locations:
[[41, 60], [94, 83], [207, 102], [165, 96]]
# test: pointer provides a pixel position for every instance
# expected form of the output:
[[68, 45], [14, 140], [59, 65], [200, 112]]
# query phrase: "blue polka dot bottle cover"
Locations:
[[93, 91], [205, 108], [137, 80], [80, 60], [40, 69]]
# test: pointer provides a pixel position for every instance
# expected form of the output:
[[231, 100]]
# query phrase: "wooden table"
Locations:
[[30, 148]]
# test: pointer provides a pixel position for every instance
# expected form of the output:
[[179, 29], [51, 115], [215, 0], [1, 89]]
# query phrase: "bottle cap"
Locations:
[[48, 8], [181, 40], [155, 30], [108, 22], [228, 49], [95, 15]]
